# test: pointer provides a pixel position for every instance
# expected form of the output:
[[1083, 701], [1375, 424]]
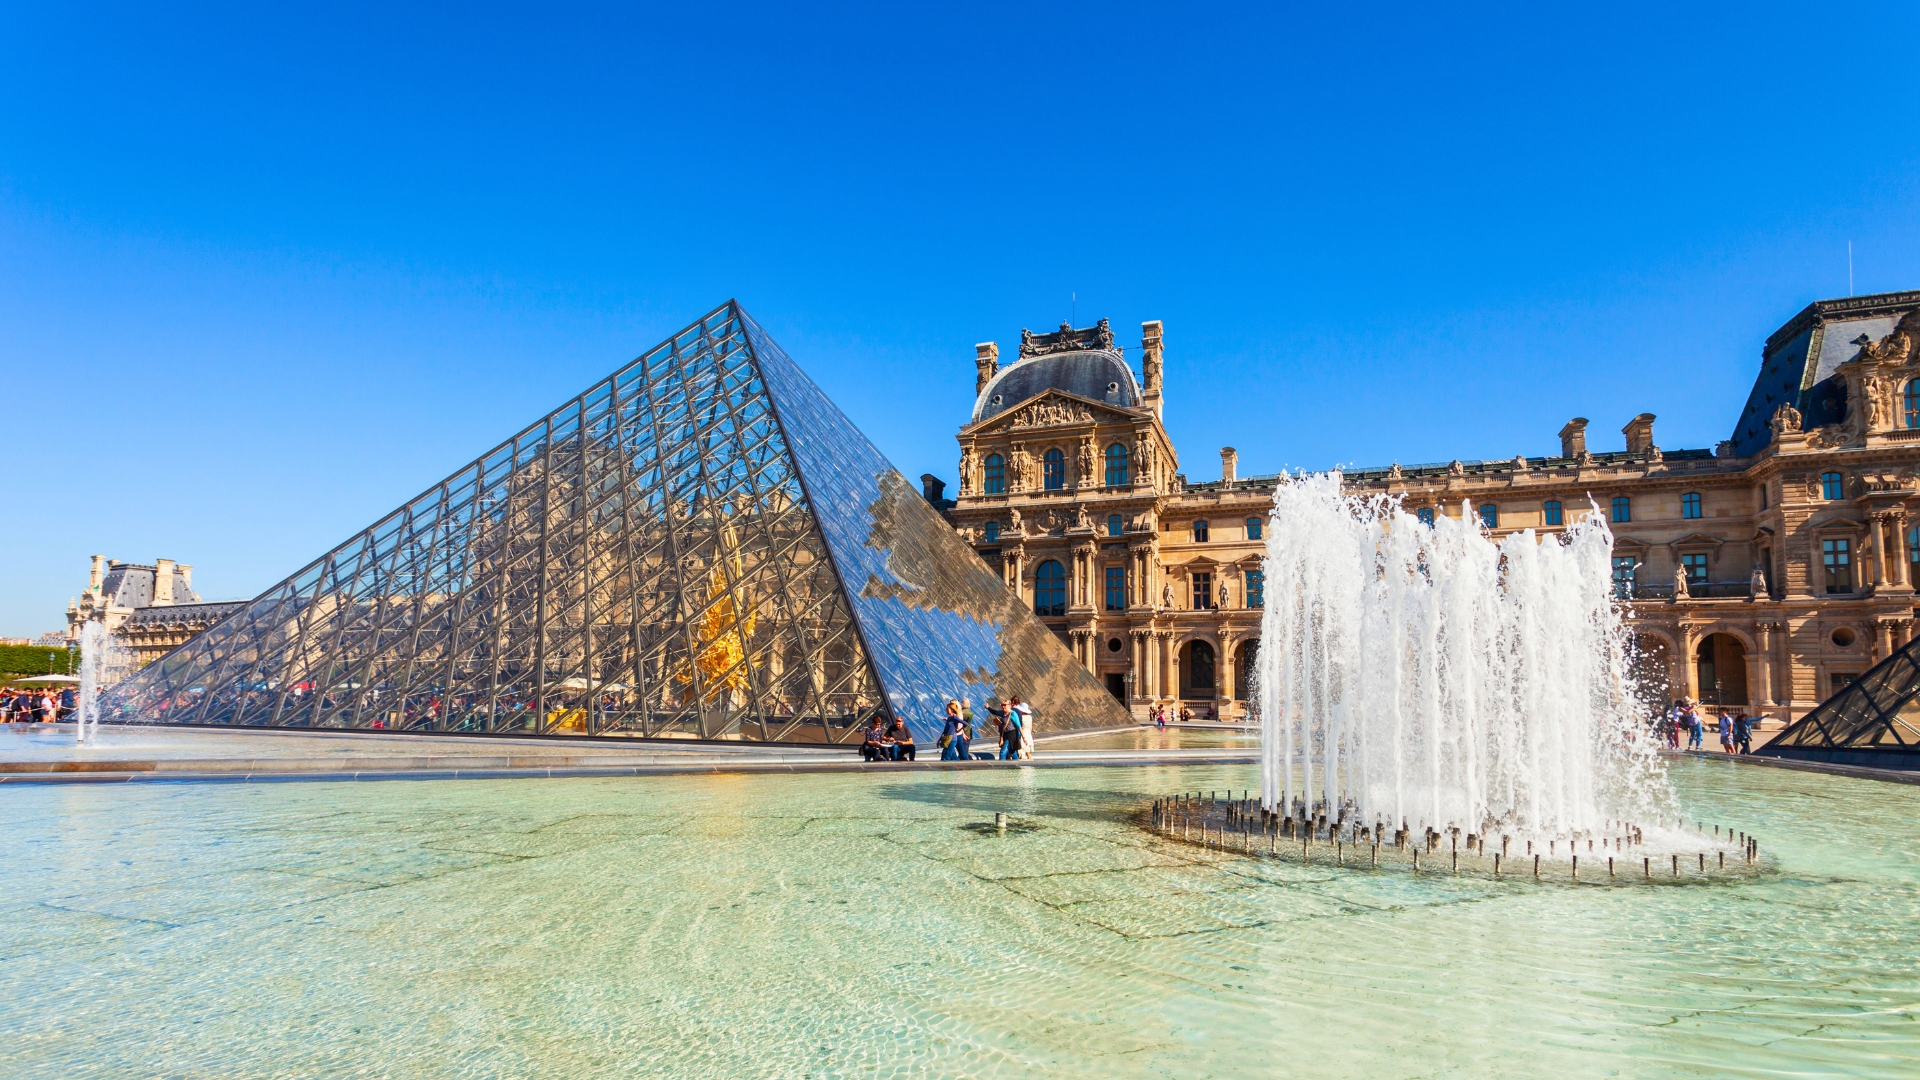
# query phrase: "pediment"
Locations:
[[1055, 408], [1696, 540]]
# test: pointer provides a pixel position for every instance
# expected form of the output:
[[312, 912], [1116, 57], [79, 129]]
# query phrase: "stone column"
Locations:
[[1882, 639], [1897, 521], [1169, 673], [1223, 673], [1690, 673], [1763, 669], [1137, 663], [1876, 538]]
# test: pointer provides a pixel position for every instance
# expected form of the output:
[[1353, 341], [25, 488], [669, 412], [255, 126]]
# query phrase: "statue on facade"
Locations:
[[1395, 473], [1680, 583], [1879, 395], [1083, 520], [1143, 457], [967, 463], [1013, 520], [1757, 584], [1022, 467], [1166, 594], [1086, 460], [1786, 420], [1223, 592]]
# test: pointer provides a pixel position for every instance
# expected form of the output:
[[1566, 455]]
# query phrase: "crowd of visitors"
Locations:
[[891, 740], [27, 706], [1734, 727]]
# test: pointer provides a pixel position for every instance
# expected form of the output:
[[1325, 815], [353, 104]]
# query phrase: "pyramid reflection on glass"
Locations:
[[700, 546], [1874, 721]]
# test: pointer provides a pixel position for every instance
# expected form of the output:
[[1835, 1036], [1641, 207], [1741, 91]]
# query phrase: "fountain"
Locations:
[[1425, 690], [102, 663]]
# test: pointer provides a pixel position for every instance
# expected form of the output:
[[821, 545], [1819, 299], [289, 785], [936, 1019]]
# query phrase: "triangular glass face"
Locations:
[[1874, 720], [645, 561]]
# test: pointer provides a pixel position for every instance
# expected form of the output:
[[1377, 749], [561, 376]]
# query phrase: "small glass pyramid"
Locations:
[[1874, 721], [700, 546]]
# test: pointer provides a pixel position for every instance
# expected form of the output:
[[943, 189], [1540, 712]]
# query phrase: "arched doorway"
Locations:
[[1197, 676], [1720, 666], [1651, 665]]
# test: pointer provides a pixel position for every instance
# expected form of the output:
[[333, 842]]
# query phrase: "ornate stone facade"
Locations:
[[147, 609], [1766, 572], [1070, 487]]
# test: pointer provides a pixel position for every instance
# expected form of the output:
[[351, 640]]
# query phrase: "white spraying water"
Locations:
[[102, 663], [1429, 677]]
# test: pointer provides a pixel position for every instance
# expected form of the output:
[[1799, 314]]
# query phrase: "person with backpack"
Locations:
[[1023, 713], [1007, 725]]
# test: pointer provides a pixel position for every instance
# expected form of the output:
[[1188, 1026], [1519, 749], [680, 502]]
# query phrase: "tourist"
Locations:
[[966, 713], [1690, 719], [901, 739], [1185, 716], [1160, 717], [1726, 732], [953, 735], [1004, 727], [874, 748], [1743, 731], [1022, 713]]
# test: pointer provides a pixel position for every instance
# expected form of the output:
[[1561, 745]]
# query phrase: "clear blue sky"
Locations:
[[265, 274]]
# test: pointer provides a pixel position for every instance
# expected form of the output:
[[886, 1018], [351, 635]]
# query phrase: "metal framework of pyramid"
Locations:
[[1874, 721], [700, 546]]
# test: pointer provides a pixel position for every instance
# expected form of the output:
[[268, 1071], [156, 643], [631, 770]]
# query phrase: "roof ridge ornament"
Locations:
[[1095, 338]]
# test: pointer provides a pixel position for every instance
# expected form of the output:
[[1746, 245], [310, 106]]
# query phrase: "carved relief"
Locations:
[[1013, 520], [1786, 420], [1020, 465], [1143, 458], [1395, 472], [1052, 412], [1827, 437], [968, 462], [1087, 459], [1083, 520], [1879, 395]]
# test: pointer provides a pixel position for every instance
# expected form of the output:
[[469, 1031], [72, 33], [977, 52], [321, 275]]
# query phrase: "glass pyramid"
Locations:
[[700, 546], [1875, 721]]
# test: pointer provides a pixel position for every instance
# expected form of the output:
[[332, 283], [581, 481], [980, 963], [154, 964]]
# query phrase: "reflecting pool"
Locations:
[[830, 925]]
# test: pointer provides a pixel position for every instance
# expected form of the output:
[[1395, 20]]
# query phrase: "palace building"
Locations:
[[1766, 572], [147, 609]]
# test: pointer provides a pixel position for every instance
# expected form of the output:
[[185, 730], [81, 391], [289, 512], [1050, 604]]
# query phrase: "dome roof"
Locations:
[[1096, 374]]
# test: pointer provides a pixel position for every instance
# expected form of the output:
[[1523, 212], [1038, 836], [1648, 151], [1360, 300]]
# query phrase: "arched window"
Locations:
[[1913, 403], [996, 475], [1552, 511], [1053, 470], [1622, 508], [1050, 589], [1830, 485], [1199, 532], [1116, 465], [1426, 516], [1253, 528], [1115, 527], [993, 532], [1690, 505], [1490, 515], [1200, 666]]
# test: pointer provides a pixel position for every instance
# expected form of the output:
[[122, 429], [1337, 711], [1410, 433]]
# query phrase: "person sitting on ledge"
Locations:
[[901, 740], [876, 748]]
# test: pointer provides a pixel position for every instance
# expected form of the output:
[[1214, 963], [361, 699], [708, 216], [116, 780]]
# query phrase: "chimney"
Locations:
[[1229, 458], [162, 582], [1573, 438], [933, 488], [1639, 433], [986, 363], [186, 581], [94, 578], [1152, 356]]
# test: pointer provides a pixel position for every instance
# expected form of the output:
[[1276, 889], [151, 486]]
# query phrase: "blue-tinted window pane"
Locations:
[[996, 483], [1199, 532], [1912, 409], [1836, 556], [1426, 516], [1116, 588], [1690, 505], [1830, 485], [993, 532], [1050, 589], [1115, 527], [1696, 569], [1622, 508], [1490, 515], [1623, 569], [1116, 465], [1552, 508], [1256, 588], [1253, 528], [1054, 470]]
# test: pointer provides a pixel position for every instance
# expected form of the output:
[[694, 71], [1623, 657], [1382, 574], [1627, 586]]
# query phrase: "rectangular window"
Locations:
[[1690, 505], [1256, 588], [1830, 485], [1622, 509], [1202, 592], [1253, 528], [1199, 532], [1841, 680], [1838, 558], [1696, 569], [1552, 508], [1490, 515], [1116, 588], [1623, 566]]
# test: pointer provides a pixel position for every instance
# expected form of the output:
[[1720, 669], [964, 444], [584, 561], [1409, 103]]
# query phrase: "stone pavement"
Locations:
[[46, 753]]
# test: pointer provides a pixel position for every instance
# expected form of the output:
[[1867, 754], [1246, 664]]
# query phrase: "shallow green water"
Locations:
[[1173, 738], [833, 925]]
